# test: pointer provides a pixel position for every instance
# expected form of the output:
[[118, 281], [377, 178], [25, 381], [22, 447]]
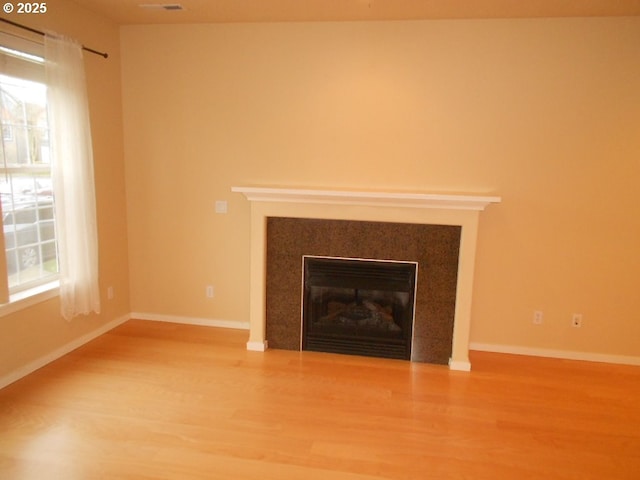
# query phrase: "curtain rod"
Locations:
[[40, 32]]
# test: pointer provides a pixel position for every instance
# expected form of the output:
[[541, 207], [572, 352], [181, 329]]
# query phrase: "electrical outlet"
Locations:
[[576, 320], [110, 294], [537, 317], [209, 291]]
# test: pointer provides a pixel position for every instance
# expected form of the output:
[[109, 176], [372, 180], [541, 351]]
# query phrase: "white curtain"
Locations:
[[72, 173]]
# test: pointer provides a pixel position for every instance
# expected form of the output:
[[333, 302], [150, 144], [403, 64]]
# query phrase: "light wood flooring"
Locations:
[[163, 401]]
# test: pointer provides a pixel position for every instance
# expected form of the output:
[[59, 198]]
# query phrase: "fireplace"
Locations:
[[358, 306], [272, 317]]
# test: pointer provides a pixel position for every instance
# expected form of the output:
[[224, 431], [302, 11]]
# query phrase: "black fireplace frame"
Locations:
[[381, 292]]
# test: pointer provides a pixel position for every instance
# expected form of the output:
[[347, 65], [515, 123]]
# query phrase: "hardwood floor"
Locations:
[[162, 401]]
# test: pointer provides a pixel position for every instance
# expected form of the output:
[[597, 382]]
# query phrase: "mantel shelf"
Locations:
[[367, 198]]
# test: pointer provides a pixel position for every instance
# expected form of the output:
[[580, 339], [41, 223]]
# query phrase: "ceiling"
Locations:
[[126, 12]]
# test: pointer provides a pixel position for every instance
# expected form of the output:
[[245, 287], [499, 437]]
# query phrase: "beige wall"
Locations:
[[36, 332], [545, 113]]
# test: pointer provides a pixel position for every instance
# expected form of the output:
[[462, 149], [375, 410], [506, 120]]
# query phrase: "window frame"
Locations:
[[22, 58]]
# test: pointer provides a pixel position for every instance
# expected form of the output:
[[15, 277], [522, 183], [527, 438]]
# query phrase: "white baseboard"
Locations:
[[60, 352], [550, 353], [206, 322]]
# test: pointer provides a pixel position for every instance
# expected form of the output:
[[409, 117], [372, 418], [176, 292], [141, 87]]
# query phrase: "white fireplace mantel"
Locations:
[[424, 208], [367, 198]]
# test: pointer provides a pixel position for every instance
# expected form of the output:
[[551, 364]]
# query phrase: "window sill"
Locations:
[[32, 296]]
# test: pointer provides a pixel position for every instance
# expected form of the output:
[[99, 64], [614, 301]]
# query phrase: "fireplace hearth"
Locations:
[[358, 306]]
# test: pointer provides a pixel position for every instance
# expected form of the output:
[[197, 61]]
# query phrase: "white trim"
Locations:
[[60, 352], [257, 346], [459, 365], [29, 297], [206, 322], [18, 64], [374, 199], [551, 353]]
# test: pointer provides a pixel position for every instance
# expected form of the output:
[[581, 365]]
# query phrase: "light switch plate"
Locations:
[[221, 206]]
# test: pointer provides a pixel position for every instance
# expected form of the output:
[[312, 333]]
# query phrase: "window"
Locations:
[[25, 171]]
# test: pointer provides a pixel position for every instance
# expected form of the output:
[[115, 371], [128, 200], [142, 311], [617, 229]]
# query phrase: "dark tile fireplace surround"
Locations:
[[434, 247]]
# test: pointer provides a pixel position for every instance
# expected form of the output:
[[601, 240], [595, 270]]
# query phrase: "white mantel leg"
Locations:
[[462, 324], [257, 302]]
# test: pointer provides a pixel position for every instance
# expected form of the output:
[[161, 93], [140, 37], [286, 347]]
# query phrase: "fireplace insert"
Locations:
[[358, 306]]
